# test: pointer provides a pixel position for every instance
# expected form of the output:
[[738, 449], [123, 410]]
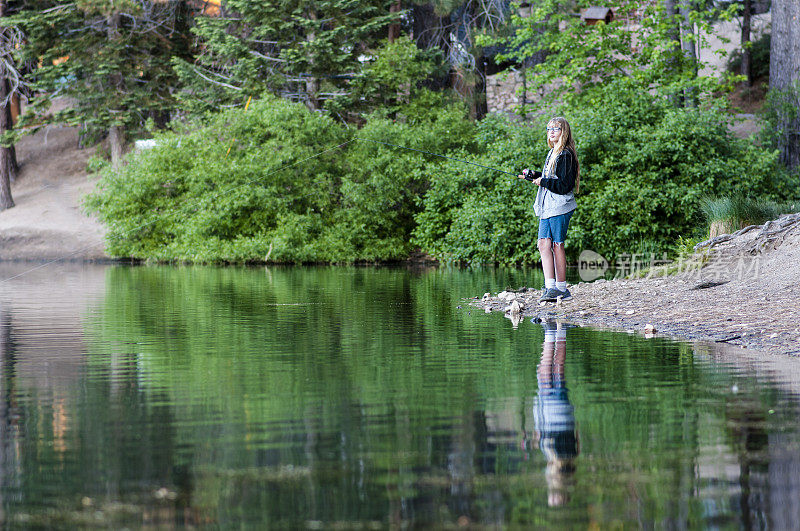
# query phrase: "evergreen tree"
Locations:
[[12, 85], [649, 44], [112, 57], [301, 50], [454, 27]]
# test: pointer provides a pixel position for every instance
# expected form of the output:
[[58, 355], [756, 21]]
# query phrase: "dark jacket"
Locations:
[[555, 195]]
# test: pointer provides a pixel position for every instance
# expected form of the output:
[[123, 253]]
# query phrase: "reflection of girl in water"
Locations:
[[554, 416]]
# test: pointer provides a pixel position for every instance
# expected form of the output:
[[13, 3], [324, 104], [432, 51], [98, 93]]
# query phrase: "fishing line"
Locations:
[[438, 155], [230, 189]]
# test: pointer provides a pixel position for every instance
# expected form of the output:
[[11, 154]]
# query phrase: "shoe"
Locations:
[[565, 295], [549, 295]]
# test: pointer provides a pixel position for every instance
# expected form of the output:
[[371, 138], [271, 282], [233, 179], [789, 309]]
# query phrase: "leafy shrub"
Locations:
[[271, 183], [645, 166], [479, 215]]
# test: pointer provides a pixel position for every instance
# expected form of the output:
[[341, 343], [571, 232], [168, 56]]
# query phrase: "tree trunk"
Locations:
[[674, 34], [116, 141], [746, 54], [116, 132], [784, 77], [428, 32], [688, 47], [312, 84], [479, 97], [7, 155], [394, 29]]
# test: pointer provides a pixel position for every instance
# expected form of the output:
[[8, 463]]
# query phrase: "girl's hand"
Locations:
[[537, 182]]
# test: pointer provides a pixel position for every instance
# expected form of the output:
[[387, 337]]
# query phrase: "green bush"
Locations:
[[645, 166], [297, 186], [284, 192], [479, 215]]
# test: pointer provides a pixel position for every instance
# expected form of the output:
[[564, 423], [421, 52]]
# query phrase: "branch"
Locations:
[[215, 82]]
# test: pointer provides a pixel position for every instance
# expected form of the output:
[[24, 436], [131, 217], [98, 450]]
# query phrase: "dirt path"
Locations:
[[47, 222], [745, 294]]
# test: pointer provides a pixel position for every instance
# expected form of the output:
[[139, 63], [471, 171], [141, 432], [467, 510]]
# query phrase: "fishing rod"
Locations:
[[437, 155]]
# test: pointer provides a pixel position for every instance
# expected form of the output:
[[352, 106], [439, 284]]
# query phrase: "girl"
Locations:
[[555, 203]]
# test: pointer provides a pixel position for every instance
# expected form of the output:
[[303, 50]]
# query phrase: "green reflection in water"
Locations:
[[294, 397]]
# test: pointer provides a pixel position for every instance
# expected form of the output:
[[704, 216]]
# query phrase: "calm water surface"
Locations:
[[368, 398]]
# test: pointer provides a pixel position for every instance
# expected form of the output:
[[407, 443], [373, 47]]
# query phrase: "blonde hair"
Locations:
[[565, 141]]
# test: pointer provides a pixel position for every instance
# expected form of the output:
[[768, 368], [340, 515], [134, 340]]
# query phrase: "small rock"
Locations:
[[502, 295], [649, 329], [515, 308], [163, 494], [630, 312], [487, 310], [487, 296]]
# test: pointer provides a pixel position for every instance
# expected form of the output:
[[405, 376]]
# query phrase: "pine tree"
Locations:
[[11, 85], [454, 28], [302, 50], [112, 57]]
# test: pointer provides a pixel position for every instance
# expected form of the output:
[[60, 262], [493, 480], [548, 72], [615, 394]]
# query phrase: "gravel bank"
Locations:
[[740, 289]]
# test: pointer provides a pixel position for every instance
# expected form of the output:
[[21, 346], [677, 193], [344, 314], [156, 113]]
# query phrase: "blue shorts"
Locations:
[[555, 228]]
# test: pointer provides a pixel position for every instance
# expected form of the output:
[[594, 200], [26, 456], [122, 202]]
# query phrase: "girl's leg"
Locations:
[[560, 259], [548, 262]]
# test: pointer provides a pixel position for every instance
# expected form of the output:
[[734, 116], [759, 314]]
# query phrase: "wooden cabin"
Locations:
[[592, 15]]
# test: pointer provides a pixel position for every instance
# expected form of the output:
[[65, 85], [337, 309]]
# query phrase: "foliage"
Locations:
[[640, 45], [645, 166], [759, 58], [389, 82], [295, 187], [304, 51], [112, 58], [479, 215]]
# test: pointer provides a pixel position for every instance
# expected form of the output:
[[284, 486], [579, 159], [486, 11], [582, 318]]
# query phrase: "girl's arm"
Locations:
[[565, 170]]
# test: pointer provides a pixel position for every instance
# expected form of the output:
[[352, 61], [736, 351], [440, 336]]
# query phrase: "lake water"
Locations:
[[345, 397]]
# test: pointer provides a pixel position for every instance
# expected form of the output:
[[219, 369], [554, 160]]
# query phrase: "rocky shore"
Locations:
[[741, 289]]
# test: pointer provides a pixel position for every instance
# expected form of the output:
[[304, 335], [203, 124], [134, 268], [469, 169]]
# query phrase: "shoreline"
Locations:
[[588, 314], [740, 289]]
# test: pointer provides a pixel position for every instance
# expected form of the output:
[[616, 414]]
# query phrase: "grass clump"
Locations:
[[729, 214]]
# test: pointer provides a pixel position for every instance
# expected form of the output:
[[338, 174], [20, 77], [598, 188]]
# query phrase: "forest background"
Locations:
[[272, 122]]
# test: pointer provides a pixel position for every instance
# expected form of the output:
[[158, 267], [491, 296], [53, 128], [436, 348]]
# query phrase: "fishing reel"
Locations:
[[531, 175]]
